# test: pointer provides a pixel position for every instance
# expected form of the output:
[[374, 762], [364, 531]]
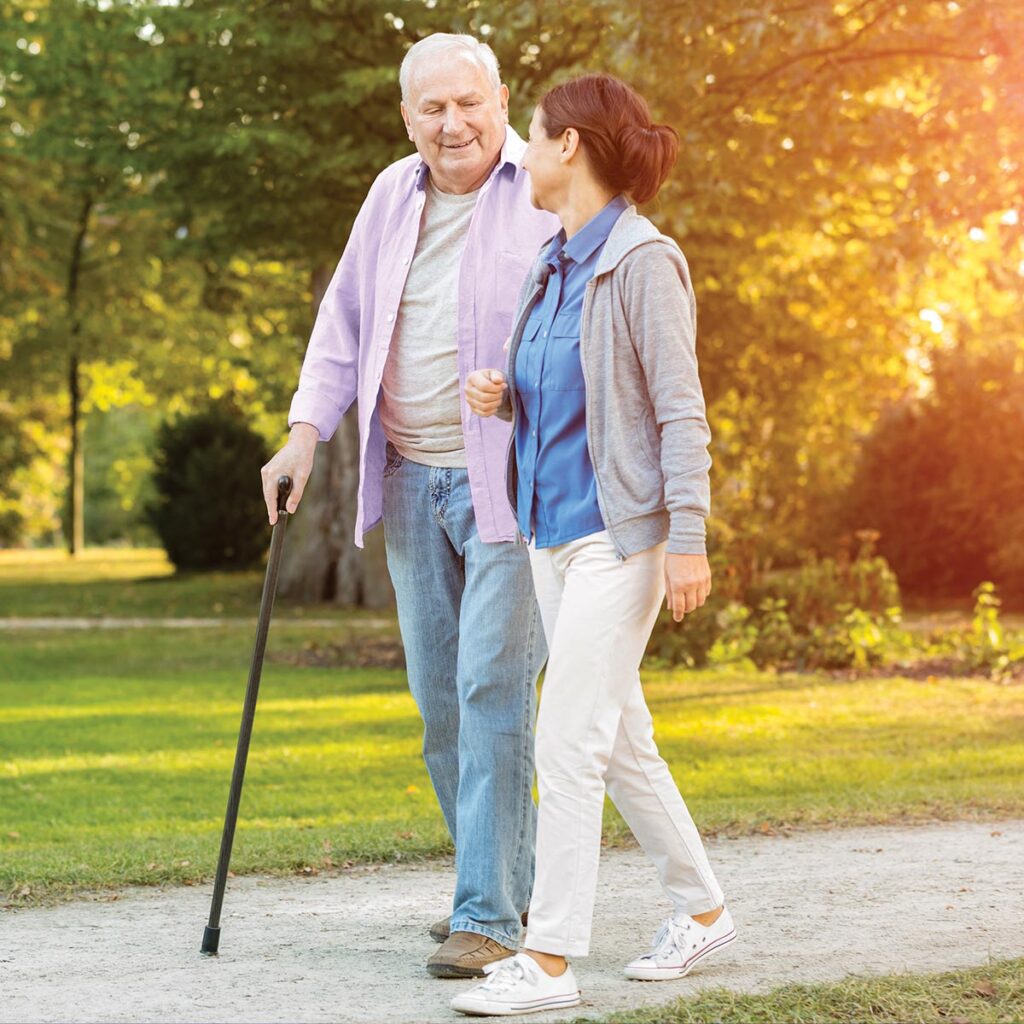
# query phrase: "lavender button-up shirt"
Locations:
[[356, 322]]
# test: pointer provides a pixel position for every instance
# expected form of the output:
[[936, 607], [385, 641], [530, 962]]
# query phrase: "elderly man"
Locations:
[[423, 295]]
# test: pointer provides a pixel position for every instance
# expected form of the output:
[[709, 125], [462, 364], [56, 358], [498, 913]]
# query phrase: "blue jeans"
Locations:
[[474, 647]]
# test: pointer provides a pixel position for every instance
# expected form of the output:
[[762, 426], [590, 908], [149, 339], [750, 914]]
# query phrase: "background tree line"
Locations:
[[177, 181]]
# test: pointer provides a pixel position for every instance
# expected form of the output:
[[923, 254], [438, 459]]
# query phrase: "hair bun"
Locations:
[[647, 153]]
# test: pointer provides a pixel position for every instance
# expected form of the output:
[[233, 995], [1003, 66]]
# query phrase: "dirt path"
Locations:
[[814, 907]]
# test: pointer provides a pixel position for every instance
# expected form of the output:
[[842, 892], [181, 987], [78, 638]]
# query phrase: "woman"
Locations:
[[608, 476]]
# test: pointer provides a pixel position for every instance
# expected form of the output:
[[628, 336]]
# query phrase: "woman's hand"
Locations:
[[687, 583], [485, 390]]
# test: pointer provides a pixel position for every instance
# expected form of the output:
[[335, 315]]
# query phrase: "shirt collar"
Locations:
[[509, 160], [591, 236]]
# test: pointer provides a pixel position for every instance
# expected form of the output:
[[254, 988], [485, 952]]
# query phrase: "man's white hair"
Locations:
[[433, 45]]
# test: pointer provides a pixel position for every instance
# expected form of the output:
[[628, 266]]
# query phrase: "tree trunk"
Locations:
[[322, 562], [76, 514], [75, 531]]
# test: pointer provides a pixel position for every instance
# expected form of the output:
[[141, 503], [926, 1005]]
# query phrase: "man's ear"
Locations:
[[503, 97], [405, 118]]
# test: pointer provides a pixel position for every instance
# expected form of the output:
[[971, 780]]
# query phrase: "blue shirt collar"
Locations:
[[590, 237]]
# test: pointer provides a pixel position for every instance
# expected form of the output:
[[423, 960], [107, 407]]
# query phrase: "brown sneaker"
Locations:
[[465, 955], [440, 930]]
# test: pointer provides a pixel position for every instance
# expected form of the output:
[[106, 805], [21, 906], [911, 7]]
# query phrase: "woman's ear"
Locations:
[[570, 144]]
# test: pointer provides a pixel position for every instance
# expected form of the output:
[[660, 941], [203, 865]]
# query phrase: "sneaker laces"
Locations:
[[671, 937], [504, 974]]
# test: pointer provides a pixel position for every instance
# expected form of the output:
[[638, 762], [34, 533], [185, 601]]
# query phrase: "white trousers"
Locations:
[[594, 732]]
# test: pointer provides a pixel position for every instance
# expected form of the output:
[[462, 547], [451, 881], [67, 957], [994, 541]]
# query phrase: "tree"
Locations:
[[835, 158], [70, 128], [941, 478]]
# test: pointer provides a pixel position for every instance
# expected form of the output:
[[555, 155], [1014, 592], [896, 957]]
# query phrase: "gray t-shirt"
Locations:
[[420, 396]]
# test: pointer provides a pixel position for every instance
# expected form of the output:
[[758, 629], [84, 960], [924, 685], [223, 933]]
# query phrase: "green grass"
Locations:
[[128, 582], [116, 750], [980, 995]]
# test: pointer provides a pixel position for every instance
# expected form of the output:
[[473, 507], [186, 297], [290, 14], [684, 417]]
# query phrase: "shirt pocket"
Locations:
[[528, 357], [563, 370]]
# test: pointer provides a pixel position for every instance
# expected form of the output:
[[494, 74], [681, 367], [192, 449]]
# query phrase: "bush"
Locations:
[[208, 511], [859, 639], [687, 642], [942, 478], [823, 590], [984, 646], [828, 613], [777, 641]]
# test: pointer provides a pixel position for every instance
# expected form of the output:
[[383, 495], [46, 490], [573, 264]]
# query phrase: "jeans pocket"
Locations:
[[394, 460]]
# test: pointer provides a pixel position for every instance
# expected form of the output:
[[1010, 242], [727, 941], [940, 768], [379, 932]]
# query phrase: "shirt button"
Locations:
[[391, 316], [405, 262]]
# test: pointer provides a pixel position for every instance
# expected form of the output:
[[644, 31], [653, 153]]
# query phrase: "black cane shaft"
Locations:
[[211, 936]]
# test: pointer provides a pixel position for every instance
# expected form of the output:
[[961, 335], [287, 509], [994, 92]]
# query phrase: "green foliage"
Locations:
[[31, 471], [777, 642], [15, 455], [736, 638], [825, 195], [686, 643], [857, 639], [174, 178], [984, 646], [819, 591], [828, 613], [942, 480], [209, 512], [118, 476]]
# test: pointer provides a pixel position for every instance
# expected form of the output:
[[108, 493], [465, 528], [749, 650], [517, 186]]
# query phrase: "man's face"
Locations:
[[457, 120]]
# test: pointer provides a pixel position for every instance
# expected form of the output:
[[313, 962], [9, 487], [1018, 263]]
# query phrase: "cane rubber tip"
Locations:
[[211, 941]]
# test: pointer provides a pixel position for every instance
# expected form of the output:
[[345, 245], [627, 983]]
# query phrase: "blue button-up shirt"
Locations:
[[557, 491]]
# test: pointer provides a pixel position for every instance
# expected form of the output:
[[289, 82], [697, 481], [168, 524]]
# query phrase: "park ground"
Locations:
[[116, 748]]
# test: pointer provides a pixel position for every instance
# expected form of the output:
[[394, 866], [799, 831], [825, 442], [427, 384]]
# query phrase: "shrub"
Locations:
[[984, 645], [777, 642], [859, 639], [736, 638], [828, 613], [687, 642], [942, 478], [823, 590], [209, 512]]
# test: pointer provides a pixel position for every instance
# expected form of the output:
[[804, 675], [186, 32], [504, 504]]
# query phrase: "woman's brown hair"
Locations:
[[627, 151]]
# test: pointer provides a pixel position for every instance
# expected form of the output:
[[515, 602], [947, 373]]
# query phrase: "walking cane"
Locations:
[[211, 936]]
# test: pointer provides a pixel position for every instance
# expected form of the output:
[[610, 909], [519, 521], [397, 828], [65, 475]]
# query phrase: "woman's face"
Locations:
[[546, 161]]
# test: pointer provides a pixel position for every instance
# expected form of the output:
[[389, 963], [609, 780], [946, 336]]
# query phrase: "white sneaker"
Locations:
[[679, 946], [517, 985]]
